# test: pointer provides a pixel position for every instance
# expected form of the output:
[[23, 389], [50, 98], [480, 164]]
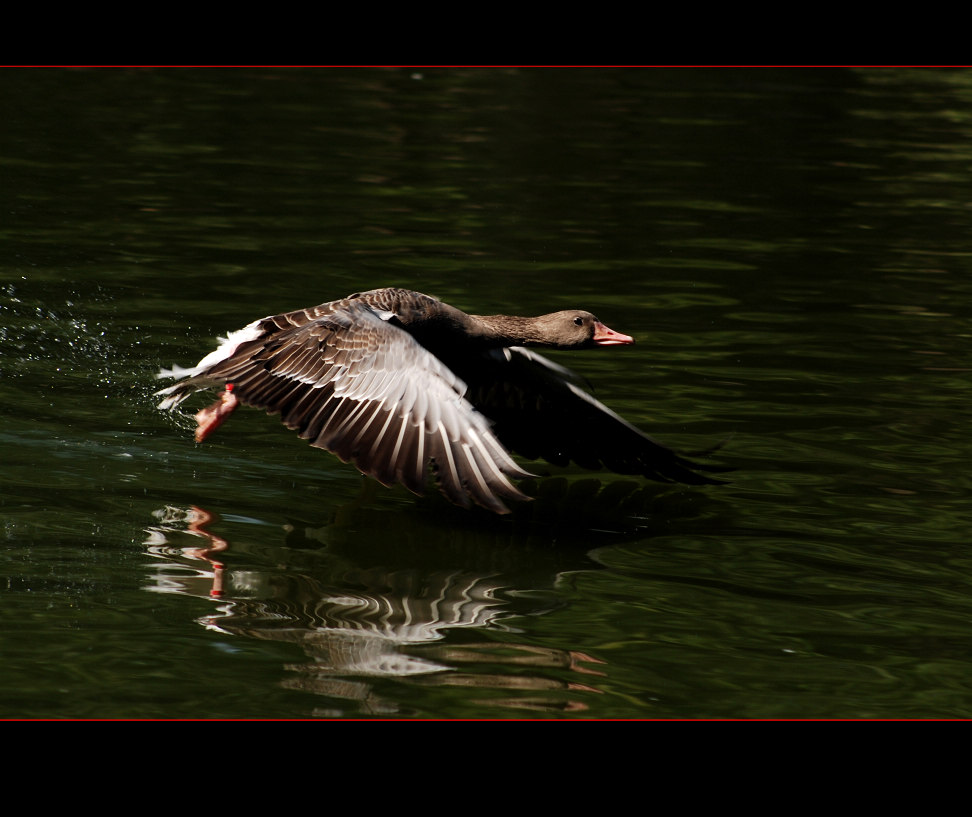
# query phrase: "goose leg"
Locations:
[[212, 417]]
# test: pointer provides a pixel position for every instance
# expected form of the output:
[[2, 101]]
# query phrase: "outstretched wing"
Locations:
[[353, 383], [539, 411]]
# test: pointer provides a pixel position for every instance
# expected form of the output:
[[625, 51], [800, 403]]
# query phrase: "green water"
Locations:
[[790, 249]]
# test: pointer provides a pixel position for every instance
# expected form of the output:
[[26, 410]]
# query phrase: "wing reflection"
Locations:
[[402, 618]]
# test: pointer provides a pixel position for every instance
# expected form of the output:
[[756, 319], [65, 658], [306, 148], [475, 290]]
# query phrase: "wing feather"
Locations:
[[351, 381], [540, 412]]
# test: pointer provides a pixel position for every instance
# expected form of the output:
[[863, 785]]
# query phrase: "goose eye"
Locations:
[[578, 321]]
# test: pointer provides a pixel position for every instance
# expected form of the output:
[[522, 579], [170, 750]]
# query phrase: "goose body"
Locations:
[[396, 381]]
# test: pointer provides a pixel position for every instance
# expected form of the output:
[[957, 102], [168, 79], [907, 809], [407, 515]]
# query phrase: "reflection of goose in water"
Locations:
[[398, 382], [357, 623]]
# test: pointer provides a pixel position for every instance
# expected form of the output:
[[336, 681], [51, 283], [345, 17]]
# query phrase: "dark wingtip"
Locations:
[[688, 470], [708, 452]]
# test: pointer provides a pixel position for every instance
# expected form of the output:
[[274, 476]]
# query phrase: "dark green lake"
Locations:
[[792, 250]]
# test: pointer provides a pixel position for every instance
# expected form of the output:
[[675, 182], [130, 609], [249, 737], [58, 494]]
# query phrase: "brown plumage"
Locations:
[[395, 381]]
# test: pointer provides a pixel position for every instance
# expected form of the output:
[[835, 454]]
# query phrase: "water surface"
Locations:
[[789, 247]]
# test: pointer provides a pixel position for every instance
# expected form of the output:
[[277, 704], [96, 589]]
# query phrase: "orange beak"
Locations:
[[608, 337]]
